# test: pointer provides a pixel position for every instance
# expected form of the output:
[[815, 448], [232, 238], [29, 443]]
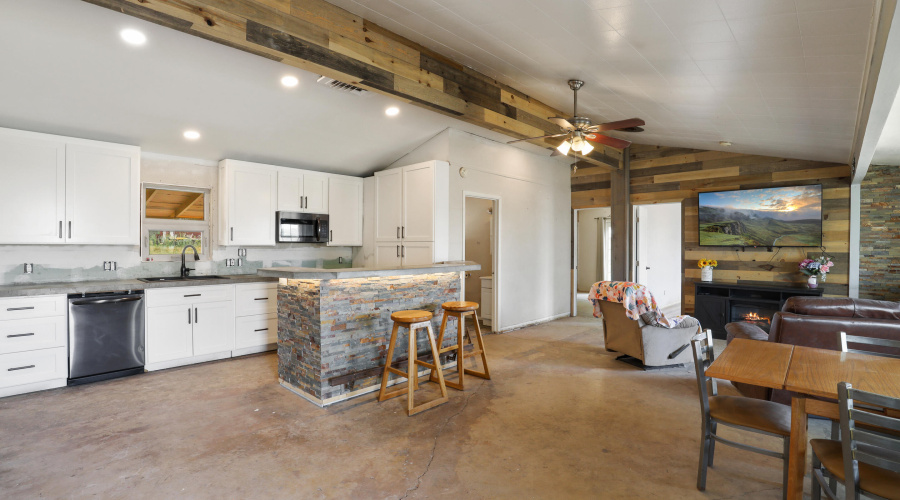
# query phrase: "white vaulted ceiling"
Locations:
[[774, 77]]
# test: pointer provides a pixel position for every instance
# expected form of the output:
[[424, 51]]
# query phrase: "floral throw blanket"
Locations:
[[638, 301]]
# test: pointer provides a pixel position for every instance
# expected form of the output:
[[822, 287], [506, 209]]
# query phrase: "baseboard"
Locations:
[[254, 350], [532, 323], [162, 365], [32, 387]]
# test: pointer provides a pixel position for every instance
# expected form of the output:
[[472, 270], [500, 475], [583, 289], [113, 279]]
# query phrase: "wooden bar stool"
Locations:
[[413, 321], [460, 310]]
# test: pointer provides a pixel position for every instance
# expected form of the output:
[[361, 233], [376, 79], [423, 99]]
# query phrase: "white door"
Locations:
[[389, 204], [315, 193], [102, 195], [418, 203], [417, 253], [252, 198], [290, 190], [387, 254], [345, 216], [33, 190], [213, 327], [169, 333]]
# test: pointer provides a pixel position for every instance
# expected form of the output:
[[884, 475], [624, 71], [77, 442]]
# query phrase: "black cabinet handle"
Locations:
[[19, 368], [20, 335], [196, 317], [19, 308], [261, 298], [189, 315], [193, 295], [260, 329]]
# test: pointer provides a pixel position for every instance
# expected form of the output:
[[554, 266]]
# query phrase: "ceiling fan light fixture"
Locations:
[[586, 148], [564, 147], [577, 142]]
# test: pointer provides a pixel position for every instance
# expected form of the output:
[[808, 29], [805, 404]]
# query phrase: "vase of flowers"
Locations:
[[706, 266], [815, 269]]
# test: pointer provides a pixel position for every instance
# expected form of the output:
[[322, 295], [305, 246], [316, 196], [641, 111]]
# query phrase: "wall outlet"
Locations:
[[242, 252], [107, 265], [229, 262], [240, 261], [29, 268]]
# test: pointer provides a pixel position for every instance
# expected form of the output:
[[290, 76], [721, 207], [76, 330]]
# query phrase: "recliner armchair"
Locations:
[[654, 346]]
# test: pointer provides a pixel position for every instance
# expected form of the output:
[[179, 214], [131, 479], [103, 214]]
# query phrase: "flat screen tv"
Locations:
[[768, 217]]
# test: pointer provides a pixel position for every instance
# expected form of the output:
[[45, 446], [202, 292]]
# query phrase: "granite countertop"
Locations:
[[120, 285], [310, 273]]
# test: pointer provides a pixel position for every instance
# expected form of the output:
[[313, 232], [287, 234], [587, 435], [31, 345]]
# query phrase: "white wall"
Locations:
[[533, 219], [660, 249], [85, 262], [589, 246]]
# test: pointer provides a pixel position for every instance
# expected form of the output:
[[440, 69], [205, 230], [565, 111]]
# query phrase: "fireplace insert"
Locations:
[[755, 314]]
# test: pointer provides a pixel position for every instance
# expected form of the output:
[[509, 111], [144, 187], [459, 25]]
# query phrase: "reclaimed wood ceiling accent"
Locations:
[[321, 38], [166, 204], [661, 174]]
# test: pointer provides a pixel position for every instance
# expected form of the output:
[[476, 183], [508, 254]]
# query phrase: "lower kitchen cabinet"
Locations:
[[189, 325], [256, 324], [33, 344], [30, 371]]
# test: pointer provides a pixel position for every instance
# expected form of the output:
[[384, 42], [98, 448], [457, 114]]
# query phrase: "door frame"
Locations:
[[574, 272], [495, 252]]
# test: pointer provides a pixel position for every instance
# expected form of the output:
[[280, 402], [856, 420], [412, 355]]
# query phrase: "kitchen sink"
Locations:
[[179, 278]]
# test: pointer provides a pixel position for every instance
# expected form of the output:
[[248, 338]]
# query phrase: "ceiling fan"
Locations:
[[578, 131]]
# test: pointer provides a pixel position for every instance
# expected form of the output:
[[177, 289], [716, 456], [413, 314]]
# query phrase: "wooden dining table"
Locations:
[[806, 372]]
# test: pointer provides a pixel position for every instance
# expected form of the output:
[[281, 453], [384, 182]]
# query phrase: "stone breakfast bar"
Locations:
[[334, 324]]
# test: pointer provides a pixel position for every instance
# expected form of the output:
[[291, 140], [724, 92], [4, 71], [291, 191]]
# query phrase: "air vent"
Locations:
[[339, 85]]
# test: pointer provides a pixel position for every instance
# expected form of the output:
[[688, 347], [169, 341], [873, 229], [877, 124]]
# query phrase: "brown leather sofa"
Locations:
[[815, 322]]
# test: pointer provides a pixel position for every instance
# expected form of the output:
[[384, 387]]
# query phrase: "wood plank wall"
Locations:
[[662, 174]]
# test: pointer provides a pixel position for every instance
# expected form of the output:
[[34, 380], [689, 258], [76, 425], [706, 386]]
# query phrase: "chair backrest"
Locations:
[[857, 339], [865, 444], [702, 346]]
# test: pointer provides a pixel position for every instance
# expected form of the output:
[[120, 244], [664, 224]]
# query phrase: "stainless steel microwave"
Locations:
[[296, 227]]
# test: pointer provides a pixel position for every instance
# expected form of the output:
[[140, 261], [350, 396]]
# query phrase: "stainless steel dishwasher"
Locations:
[[106, 336]]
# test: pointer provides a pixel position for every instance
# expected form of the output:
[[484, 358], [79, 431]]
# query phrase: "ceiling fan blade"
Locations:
[[562, 122], [607, 140], [618, 125], [632, 129], [541, 137]]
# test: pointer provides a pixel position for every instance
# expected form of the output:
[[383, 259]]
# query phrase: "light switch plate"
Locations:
[[29, 268]]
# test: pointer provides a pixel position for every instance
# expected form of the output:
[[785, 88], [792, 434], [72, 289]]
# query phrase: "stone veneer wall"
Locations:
[[332, 328], [879, 234]]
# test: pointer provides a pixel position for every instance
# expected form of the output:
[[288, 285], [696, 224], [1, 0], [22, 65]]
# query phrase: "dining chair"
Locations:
[[865, 460], [747, 414]]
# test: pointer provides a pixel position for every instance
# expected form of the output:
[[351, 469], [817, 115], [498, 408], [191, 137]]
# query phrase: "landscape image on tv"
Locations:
[[770, 217]]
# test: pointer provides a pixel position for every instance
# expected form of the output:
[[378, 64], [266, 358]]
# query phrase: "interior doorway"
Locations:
[[481, 229], [657, 252], [592, 234]]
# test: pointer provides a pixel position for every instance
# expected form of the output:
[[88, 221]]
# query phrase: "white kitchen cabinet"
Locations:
[[413, 211], [302, 191], [248, 199], [213, 327], [487, 300], [388, 204], [256, 322], [387, 254], [345, 211], [102, 195], [189, 324], [64, 190], [33, 344]]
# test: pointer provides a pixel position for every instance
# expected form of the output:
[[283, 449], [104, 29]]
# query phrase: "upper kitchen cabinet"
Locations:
[[388, 204], [248, 199], [302, 191], [62, 190], [345, 211]]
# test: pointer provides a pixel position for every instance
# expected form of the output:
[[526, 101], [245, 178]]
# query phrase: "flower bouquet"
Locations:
[[706, 266], [815, 268]]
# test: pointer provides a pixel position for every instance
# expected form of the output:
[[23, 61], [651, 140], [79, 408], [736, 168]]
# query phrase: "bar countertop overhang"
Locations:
[[311, 273]]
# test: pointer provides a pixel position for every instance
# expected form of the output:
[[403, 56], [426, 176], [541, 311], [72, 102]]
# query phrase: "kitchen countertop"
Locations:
[[310, 273], [119, 285]]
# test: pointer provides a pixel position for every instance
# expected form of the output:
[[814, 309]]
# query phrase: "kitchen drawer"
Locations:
[[256, 298], [17, 335], [21, 368], [252, 331], [32, 307], [188, 295]]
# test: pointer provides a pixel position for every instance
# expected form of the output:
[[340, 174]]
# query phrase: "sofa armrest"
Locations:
[[740, 330]]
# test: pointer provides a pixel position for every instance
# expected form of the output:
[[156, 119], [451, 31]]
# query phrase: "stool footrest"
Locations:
[[476, 374], [426, 365], [397, 372]]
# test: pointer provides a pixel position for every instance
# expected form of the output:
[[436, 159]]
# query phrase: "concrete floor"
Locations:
[[560, 419]]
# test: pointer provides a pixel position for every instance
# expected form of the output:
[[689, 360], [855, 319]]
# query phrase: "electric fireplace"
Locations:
[[755, 314]]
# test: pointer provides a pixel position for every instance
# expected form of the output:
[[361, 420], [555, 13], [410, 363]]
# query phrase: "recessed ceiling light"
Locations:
[[725, 143], [191, 135], [392, 111], [133, 36], [289, 81]]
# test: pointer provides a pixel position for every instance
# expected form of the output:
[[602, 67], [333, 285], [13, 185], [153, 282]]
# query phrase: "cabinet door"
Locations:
[[388, 204], [169, 333], [387, 254], [417, 253], [213, 327], [418, 203], [711, 311], [102, 195], [290, 190], [32, 190], [315, 193], [252, 195], [345, 211]]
